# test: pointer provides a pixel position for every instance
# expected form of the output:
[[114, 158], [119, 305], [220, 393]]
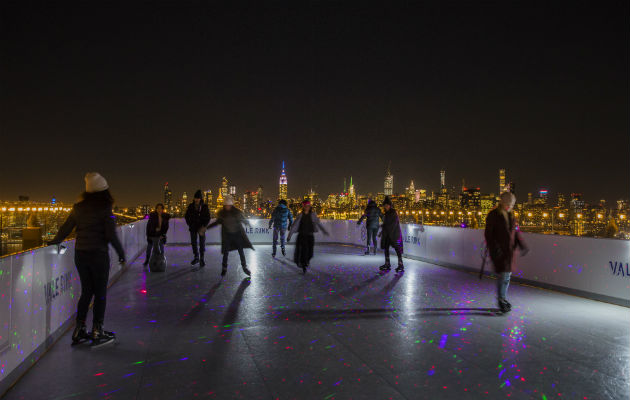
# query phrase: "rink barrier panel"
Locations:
[[39, 289]]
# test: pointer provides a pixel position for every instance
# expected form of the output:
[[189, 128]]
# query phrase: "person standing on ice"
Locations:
[[95, 226], [391, 236], [503, 238], [279, 218], [197, 217], [157, 227], [373, 215], [306, 225], [233, 235]]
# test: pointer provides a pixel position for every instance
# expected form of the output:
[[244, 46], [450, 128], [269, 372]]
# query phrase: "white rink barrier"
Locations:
[[39, 291], [588, 267]]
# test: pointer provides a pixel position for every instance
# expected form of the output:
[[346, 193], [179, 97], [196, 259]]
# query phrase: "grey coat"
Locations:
[[316, 224]]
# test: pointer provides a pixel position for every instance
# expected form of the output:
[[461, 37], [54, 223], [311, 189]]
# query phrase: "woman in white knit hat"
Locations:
[[233, 235], [95, 226]]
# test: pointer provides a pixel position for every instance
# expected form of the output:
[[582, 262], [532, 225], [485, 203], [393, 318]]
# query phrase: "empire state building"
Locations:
[[282, 194]]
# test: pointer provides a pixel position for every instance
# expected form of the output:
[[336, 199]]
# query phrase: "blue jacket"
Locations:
[[279, 217]]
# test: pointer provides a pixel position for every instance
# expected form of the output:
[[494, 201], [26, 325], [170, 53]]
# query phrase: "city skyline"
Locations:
[[331, 90]]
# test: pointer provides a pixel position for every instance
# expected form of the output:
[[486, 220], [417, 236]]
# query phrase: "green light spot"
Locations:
[[138, 362], [417, 341], [544, 397]]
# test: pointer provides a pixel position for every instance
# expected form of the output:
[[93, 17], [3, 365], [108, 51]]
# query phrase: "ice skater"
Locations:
[[157, 227], [373, 215], [279, 218], [391, 236], [503, 238], [233, 235], [306, 225], [197, 217], [95, 226]]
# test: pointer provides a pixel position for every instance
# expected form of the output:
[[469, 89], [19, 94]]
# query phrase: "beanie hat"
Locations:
[[387, 201], [198, 195], [229, 201], [283, 201], [94, 182]]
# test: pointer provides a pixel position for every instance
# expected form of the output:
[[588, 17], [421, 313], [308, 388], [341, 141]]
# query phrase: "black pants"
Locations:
[[93, 268], [398, 253], [304, 249], [150, 241], [371, 236], [241, 254], [202, 243]]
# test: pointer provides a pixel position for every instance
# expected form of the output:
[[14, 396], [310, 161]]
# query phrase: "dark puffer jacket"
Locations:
[[197, 216], [280, 216], [372, 213], [95, 225], [391, 233]]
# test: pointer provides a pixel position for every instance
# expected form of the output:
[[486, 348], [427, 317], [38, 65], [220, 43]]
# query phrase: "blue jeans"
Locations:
[[282, 233], [372, 236], [503, 282]]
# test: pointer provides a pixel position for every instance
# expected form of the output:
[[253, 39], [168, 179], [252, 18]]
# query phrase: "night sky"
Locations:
[[187, 92]]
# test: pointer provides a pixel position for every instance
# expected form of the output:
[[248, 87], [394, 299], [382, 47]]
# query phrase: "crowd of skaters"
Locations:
[[93, 220]]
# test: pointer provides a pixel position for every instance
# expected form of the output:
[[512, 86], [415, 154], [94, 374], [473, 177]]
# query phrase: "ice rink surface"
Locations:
[[342, 331]]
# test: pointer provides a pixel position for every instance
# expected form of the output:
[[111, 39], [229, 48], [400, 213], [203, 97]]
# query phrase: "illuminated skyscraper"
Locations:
[[544, 196], [411, 192], [168, 198], [389, 182], [351, 191], [443, 189], [207, 198], [283, 192], [501, 181], [184, 201], [232, 190], [224, 187]]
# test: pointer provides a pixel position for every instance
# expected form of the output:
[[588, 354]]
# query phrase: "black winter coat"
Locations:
[[372, 213], [391, 234], [233, 234], [152, 224], [95, 226], [502, 238], [196, 217]]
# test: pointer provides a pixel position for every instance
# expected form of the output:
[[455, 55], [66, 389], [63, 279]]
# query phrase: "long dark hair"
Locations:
[[104, 196]]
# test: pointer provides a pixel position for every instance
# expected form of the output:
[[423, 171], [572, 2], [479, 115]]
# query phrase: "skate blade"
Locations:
[[79, 342], [102, 344]]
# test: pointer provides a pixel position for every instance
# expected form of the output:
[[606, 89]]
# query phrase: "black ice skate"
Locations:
[[374, 250], [385, 267], [202, 262], [400, 268], [80, 334], [284, 253], [367, 251], [195, 260], [247, 272], [504, 306], [223, 270], [101, 337]]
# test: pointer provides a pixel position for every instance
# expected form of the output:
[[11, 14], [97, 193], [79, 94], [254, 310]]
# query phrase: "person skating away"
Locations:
[[233, 235], [373, 215], [157, 227], [280, 217], [197, 217], [391, 236], [95, 226], [306, 225], [503, 238]]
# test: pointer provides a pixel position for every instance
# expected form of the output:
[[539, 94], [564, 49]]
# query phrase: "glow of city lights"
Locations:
[[561, 215], [599, 216], [529, 214], [622, 216], [545, 215], [579, 215]]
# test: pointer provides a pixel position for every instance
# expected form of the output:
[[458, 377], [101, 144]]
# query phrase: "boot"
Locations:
[[223, 269], [504, 306], [80, 334], [247, 272], [195, 260], [202, 261], [284, 252], [367, 251], [374, 250], [385, 267], [273, 251], [400, 268], [101, 337]]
